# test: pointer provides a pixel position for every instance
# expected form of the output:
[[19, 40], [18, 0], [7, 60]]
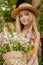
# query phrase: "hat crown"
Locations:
[[24, 5]]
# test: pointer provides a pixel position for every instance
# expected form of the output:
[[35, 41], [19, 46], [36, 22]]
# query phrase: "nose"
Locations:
[[24, 17]]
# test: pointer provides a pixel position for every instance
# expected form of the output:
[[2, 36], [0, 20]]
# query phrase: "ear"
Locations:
[[36, 3]]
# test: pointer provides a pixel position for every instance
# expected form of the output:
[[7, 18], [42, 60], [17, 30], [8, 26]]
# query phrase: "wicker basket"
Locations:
[[15, 58]]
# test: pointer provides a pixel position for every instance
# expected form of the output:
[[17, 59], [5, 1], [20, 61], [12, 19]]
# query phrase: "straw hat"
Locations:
[[22, 7]]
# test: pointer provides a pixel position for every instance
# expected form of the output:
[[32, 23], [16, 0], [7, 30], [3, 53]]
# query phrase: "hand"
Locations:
[[32, 60]]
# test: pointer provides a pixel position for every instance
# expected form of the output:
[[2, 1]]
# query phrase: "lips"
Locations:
[[24, 20]]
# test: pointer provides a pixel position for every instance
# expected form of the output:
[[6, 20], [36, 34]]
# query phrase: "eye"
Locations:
[[26, 14], [21, 16]]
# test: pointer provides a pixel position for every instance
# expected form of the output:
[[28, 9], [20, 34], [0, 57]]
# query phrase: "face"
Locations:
[[24, 17]]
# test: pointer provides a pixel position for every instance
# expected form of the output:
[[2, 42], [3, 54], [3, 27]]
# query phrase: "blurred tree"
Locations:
[[40, 24], [19, 2], [22, 1], [6, 7], [36, 3], [40, 19]]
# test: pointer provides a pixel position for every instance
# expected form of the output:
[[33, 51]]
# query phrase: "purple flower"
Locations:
[[0, 40], [28, 35]]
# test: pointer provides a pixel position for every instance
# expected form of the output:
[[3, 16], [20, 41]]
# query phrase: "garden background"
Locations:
[[6, 6]]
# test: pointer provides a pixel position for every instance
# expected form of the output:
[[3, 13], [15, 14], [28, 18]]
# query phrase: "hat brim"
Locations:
[[32, 9]]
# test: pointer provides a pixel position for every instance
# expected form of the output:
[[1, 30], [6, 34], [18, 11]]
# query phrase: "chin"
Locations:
[[25, 24]]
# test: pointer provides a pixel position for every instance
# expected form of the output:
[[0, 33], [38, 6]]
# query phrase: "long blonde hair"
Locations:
[[32, 19]]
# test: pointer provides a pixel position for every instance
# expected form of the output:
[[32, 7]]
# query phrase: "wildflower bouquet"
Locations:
[[15, 49]]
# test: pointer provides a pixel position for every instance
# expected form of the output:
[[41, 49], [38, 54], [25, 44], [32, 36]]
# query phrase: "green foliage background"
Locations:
[[6, 7]]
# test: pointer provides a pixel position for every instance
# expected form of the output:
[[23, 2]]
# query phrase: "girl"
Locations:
[[25, 16]]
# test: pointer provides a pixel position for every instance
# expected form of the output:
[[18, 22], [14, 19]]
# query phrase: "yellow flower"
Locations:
[[31, 52], [18, 35], [27, 39], [11, 27]]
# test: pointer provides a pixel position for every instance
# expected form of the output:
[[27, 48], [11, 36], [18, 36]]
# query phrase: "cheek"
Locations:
[[29, 19], [21, 20]]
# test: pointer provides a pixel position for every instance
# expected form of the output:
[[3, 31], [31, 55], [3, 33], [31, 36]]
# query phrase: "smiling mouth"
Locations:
[[24, 20]]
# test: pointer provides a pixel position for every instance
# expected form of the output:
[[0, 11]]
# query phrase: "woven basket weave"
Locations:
[[15, 58]]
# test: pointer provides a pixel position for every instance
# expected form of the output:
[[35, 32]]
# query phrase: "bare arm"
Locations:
[[36, 45], [37, 34]]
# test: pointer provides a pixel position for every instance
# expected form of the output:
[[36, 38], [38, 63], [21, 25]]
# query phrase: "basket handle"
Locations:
[[7, 35]]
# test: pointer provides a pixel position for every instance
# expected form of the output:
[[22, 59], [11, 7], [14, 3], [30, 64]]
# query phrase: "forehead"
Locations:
[[23, 11]]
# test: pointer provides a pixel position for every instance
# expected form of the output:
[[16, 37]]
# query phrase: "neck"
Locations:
[[27, 26]]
